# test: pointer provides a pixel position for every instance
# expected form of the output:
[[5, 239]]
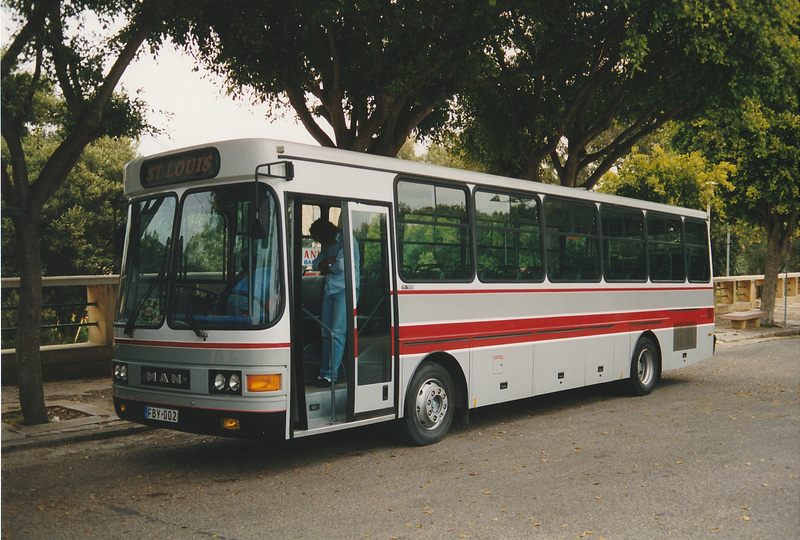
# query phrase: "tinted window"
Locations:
[[572, 244], [697, 257], [664, 248], [143, 283], [433, 232], [508, 237], [623, 245], [224, 275]]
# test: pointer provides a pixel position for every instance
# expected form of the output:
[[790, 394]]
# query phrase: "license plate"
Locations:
[[164, 415]]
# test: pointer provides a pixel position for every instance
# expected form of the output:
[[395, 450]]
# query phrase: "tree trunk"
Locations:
[[82, 127], [772, 267], [29, 324]]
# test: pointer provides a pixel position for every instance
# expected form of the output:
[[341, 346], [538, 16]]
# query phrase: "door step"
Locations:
[[318, 403]]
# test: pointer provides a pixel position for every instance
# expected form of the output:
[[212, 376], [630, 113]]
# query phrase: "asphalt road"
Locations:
[[714, 452]]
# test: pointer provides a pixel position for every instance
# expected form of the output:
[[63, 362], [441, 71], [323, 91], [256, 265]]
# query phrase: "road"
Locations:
[[714, 452]]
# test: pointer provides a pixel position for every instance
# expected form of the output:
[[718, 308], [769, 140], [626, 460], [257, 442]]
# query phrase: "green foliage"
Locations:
[[665, 176], [760, 134], [30, 102], [598, 77], [372, 71], [79, 222], [764, 143], [444, 154], [61, 306]]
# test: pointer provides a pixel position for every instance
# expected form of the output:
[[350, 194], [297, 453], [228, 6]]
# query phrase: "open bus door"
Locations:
[[365, 386], [373, 317]]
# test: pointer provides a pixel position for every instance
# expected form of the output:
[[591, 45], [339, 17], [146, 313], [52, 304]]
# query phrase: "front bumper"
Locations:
[[251, 425]]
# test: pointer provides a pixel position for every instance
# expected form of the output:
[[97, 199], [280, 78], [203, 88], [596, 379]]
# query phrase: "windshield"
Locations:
[[221, 273]]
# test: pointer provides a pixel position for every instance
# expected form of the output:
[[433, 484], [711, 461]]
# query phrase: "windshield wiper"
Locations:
[[130, 324], [199, 332]]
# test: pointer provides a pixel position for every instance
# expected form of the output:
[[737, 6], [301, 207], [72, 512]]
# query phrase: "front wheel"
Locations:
[[644, 368], [430, 405]]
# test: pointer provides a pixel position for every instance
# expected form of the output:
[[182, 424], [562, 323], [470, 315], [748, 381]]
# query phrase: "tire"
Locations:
[[645, 368], [430, 405]]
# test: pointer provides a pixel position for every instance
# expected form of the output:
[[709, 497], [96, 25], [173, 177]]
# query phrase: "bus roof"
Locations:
[[237, 159]]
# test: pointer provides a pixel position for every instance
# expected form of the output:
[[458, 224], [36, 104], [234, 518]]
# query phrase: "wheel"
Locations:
[[429, 408], [644, 368]]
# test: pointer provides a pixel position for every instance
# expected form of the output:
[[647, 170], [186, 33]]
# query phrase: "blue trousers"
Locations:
[[334, 315]]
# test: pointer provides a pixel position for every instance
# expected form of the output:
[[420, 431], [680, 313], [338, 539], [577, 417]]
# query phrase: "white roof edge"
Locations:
[[348, 158]]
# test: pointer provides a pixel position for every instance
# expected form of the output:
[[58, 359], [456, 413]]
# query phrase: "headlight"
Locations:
[[225, 382], [120, 372]]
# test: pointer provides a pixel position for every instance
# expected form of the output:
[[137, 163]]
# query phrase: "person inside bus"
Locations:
[[330, 263]]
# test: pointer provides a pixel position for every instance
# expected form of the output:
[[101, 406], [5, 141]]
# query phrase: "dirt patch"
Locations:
[[98, 397], [54, 414]]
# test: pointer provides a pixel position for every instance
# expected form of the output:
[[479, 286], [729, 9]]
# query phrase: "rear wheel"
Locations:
[[644, 368], [429, 405]]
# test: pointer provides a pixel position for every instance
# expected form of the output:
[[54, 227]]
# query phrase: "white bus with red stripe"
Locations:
[[470, 290]]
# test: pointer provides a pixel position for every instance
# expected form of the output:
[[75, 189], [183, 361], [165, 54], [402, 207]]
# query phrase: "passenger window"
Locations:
[[508, 237], [433, 232], [623, 244], [573, 252], [697, 259], [664, 248]]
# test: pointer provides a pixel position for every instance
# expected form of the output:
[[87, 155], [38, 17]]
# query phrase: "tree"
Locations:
[[77, 231], [760, 134], [445, 155], [667, 177], [53, 51], [765, 145], [78, 219], [601, 76], [367, 72]]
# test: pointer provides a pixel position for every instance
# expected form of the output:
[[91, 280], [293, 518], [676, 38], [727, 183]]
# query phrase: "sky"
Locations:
[[200, 110], [195, 107]]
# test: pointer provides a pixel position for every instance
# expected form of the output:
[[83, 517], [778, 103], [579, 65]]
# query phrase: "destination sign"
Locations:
[[184, 167]]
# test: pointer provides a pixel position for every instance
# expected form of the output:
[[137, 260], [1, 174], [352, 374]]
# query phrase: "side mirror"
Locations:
[[259, 226]]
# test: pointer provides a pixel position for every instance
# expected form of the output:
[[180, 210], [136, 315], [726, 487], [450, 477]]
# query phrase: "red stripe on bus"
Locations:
[[430, 337]]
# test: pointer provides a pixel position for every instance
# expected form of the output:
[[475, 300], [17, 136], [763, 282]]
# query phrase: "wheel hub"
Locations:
[[646, 367], [432, 404]]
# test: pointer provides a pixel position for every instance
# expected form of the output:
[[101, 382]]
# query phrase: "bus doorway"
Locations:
[[362, 389]]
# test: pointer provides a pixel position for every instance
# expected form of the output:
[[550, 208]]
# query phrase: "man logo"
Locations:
[[167, 378]]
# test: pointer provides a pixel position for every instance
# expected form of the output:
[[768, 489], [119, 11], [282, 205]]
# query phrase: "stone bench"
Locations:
[[745, 319]]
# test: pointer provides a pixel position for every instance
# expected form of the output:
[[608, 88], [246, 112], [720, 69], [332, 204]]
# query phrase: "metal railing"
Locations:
[[57, 326], [740, 293], [91, 357]]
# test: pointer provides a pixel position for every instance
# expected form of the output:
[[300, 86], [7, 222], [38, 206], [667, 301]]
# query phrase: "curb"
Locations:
[[15, 440], [99, 424], [729, 337]]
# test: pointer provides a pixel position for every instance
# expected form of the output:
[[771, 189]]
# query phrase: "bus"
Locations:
[[462, 290]]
